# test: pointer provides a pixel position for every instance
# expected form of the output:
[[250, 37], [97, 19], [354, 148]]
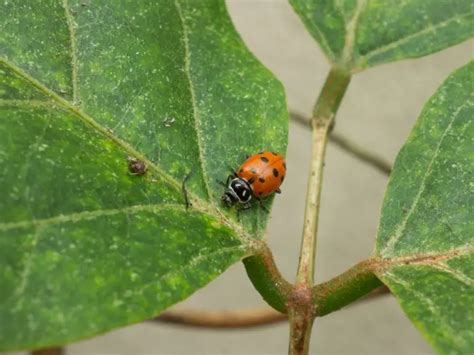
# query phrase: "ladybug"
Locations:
[[259, 176]]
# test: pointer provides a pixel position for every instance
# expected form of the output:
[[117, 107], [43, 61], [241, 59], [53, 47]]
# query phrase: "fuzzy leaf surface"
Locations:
[[358, 34], [85, 246], [426, 232]]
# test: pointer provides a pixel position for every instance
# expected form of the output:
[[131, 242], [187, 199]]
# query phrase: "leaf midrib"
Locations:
[[382, 266], [197, 203], [423, 258], [363, 59], [196, 116], [351, 31]]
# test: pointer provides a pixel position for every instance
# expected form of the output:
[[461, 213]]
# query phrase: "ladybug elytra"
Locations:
[[259, 176]]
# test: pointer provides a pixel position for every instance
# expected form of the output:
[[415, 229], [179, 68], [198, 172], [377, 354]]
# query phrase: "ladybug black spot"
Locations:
[[275, 172], [261, 179], [253, 170], [241, 171], [275, 154], [264, 159], [260, 193], [282, 178]]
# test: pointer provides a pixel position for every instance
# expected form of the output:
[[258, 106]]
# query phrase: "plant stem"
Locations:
[[331, 96], [308, 245], [48, 351], [224, 319], [323, 119], [301, 323], [300, 310], [344, 289], [266, 278], [246, 318], [256, 317]]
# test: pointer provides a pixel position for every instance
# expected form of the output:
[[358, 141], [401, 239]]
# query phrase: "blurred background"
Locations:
[[378, 111]]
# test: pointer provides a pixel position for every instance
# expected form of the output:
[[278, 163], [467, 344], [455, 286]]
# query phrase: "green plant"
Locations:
[[86, 247]]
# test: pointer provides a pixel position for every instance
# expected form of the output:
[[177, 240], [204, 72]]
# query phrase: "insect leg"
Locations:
[[185, 191], [260, 202], [226, 183], [243, 208], [233, 172]]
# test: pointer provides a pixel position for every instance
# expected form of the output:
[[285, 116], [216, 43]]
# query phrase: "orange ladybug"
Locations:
[[258, 177]]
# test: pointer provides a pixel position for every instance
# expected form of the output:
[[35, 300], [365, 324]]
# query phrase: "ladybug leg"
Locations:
[[233, 172], [185, 191], [225, 184], [243, 208], [260, 202], [278, 191]]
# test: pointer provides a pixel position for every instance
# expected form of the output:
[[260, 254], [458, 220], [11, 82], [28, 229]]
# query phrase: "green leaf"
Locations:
[[84, 86], [425, 236], [357, 34]]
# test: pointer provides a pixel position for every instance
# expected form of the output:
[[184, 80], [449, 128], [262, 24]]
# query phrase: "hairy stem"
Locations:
[[301, 322], [308, 245], [323, 119], [300, 308], [346, 288], [266, 278]]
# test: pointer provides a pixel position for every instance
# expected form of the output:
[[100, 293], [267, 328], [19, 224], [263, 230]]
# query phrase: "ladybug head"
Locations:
[[238, 191]]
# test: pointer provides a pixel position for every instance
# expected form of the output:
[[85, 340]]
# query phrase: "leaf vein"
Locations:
[[25, 273], [351, 30], [201, 257], [431, 28], [73, 52], [427, 259], [87, 215], [196, 115], [434, 309], [401, 227], [455, 273], [192, 264], [88, 120], [197, 203]]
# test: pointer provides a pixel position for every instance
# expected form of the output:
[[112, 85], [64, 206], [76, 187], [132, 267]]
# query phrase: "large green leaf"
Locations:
[[84, 245], [426, 233], [357, 34]]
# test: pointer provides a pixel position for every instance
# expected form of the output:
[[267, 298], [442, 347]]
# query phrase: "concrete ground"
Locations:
[[378, 111]]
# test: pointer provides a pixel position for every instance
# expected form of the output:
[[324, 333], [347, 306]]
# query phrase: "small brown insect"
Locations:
[[136, 166]]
